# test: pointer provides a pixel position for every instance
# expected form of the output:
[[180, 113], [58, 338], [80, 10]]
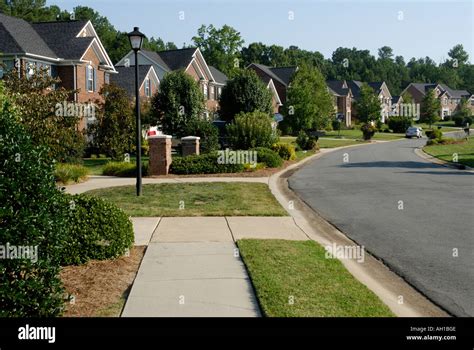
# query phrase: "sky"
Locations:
[[412, 28]]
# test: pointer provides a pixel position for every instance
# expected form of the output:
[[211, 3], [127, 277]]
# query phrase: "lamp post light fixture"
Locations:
[[136, 42]]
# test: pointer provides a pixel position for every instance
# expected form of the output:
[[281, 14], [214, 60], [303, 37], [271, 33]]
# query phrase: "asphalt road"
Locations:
[[412, 214]]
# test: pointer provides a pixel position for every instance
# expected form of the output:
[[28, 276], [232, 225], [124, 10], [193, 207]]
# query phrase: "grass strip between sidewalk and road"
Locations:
[[464, 151], [295, 279], [195, 199]]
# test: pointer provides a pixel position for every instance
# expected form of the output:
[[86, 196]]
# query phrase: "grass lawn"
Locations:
[[199, 199], [445, 126], [95, 165], [357, 135], [320, 287], [464, 150], [331, 143]]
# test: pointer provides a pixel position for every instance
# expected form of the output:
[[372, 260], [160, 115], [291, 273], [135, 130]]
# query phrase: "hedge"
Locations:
[[202, 164], [269, 157], [123, 169], [66, 173]]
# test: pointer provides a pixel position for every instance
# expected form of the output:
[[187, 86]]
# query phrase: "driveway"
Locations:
[[416, 216]]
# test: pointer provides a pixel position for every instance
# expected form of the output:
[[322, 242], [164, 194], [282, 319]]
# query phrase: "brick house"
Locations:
[[277, 79], [69, 50], [210, 79], [382, 92], [450, 98], [343, 97]]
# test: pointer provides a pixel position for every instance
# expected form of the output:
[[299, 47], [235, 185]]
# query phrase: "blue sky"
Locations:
[[415, 28]]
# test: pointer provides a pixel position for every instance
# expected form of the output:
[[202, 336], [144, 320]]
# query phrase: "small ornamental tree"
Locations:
[[113, 132], [368, 106], [179, 101], [309, 105], [250, 130], [47, 113], [430, 108], [244, 93], [33, 216]]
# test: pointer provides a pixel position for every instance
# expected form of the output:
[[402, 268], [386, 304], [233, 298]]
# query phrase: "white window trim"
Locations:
[[90, 78]]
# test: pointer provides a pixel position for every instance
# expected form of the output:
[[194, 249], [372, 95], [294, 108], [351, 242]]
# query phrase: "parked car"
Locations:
[[414, 131]]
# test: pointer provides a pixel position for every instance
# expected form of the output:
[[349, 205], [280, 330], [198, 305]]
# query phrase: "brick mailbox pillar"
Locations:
[[160, 154], [190, 145]]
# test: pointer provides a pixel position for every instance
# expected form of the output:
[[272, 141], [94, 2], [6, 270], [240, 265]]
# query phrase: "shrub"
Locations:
[[250, 130], [399, 124], [336, 124], [269, 157], [468, 120], [208, 133], [431, 142], [285, 151], [368, 131], [33, 214], [66, 173], [123, 169], [202, 164], [97, 230], [306, 142], [434, 134]]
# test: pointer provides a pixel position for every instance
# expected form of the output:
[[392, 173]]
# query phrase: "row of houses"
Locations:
[[73, 52]]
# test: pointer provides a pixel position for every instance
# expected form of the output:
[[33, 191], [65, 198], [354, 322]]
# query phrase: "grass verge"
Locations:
[[295, 279], [464, 152], [195, 199]]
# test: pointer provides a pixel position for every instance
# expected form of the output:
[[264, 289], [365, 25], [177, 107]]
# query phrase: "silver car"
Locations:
[[414, 131]]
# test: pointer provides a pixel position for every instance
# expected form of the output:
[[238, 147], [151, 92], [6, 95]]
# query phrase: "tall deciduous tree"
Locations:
[[220, 47], [179, 101], [430, 108], [309, 104], [244, 93], [368, 106]]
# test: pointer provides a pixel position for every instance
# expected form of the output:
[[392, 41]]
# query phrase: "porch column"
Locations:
[[190, 145], [160, 154]]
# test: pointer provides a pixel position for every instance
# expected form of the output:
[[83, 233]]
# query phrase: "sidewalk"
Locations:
[[192, 266]]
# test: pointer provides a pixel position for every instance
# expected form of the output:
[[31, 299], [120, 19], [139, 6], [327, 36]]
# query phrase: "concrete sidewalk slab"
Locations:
[[191, 280], [265, 228], [143, 229], [192, 229]]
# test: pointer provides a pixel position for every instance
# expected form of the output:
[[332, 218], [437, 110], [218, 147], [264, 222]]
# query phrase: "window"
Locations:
[[219, 90], [107, 78], [205, 91], [30, 69], [90, 76], [211, 92], [472, 101], [445, 101], [147, 87]]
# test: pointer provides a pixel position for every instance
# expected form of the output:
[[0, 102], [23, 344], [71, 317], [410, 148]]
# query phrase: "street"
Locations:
[[416, 216]]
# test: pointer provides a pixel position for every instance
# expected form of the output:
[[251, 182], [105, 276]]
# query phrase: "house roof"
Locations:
[[126, 77], [337, 87], [66, 45], [177, 59], [285, 73], [396, 99], [424, 87], [155, 57], [18, 36], [356, 85], [267, 70], [219, 77]]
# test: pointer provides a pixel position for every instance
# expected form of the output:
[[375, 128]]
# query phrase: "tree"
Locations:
[[368, 106], [220, 47], [385, 53], [113, 132], [179, 101], [458, 55], [430, 108], [244, 93], [43, 114], [309, 105]]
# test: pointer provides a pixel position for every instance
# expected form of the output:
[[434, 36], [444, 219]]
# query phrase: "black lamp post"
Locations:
[[136, 41]]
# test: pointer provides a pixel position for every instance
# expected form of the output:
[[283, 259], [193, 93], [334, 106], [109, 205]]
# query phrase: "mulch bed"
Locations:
[[99, 287]]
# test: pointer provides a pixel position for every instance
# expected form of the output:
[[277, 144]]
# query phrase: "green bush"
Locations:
[[208, 133], [431, 142], [32, 214], [269, 157], [368, 131], [434, 134], [66, 173], [399, 124], [123, 169], [461, 120], [97, 230], [306, 142], [250, 130], [202, 164], [285, 151]]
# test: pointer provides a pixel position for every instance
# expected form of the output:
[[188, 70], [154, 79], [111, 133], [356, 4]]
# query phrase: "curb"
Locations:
[[373, 273], [422, 154]]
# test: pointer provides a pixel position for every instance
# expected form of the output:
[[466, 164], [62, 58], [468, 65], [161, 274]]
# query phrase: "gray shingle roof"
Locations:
[[18, 36], [155, 57], [62, 38], [219, 77], [284, 73], [126, 77], [267, 70], [424, 87], [177, 59], [337, 87]]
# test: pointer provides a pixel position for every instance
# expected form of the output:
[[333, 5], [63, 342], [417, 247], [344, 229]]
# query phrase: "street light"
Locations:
[[136, 41]]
